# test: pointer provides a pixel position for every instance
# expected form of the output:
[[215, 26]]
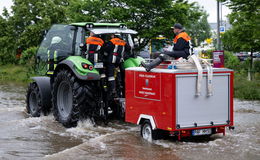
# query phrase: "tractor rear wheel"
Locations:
[[33, 100], [70, 97]]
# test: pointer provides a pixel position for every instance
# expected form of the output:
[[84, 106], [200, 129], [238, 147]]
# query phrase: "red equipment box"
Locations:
[[167, 98], [218, 59]]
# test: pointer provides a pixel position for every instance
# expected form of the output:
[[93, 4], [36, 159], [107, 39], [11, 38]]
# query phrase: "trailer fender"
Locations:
[[143, 117], [44, 85]]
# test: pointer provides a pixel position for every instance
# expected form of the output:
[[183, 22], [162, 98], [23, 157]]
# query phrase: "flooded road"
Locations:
[[22, 137]]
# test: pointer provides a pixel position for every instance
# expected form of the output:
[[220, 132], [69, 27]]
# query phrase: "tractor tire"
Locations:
[[70, 97], [148, 133], [33, 100]]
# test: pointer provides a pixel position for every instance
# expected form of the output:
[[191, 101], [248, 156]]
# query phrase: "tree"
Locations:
[[32, 17], [245, 33], [29, 18], [199, 30], [25, 25], [7, 41], [149, 17]]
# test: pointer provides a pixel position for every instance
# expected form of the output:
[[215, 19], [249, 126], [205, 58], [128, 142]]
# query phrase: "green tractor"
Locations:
[[70, 85]]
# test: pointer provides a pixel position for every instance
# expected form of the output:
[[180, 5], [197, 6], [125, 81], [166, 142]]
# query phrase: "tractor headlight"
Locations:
[[89, 25], [122, 26]]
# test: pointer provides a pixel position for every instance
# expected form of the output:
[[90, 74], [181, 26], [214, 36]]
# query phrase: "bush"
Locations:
[[7, 57], [28, 56], [207, 54], [231, 61], [7, 50], [245, 89], [28, 60], [256, 66]]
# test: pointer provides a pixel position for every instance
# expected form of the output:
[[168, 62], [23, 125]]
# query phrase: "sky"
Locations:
[[209, 5], [211, 8], [5, 3]]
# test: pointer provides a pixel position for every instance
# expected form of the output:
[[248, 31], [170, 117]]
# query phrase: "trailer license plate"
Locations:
[[99, 65], [200, 132]]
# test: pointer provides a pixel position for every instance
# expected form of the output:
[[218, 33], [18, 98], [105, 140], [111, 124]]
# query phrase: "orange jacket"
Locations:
[[117, 41], [95, 41], [183, 35]]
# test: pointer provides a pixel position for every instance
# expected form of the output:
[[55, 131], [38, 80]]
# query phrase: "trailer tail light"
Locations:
[[185, 133], [220, 130]]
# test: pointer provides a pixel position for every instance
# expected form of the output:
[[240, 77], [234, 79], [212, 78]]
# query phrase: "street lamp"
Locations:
[[218, 26]]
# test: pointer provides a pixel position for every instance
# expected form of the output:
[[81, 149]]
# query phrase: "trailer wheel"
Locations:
[[70, 96], [147, 132], [33, 100]]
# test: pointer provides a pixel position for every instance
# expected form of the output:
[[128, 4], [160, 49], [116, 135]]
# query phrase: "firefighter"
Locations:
[[94, 44], [182, 48], [115, 49]]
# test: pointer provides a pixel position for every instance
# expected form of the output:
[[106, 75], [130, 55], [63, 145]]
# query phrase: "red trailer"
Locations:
[[167, 101]]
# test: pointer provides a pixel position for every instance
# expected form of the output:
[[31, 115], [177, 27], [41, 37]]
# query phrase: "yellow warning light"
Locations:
[[169, 128]]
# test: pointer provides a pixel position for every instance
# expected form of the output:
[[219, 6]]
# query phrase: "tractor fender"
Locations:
[[44, 84], [143, 117], [70, 64], [133, 62]]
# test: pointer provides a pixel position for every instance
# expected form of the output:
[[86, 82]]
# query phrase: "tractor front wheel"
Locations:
[[33, 100]]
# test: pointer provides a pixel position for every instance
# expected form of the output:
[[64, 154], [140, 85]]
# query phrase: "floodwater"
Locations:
[[23, 137]]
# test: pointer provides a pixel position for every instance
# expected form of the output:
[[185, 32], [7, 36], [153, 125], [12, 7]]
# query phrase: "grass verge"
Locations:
[[15, 73]]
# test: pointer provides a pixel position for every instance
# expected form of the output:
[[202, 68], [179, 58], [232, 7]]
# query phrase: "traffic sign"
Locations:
[[222, 29]]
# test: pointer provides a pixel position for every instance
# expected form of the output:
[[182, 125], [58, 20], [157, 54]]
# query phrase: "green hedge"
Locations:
[[245, 89], [231, 61], [28, 56]]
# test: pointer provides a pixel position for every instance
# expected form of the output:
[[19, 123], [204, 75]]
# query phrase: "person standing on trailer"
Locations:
[[115, 48], [182, 48], [93, 48]]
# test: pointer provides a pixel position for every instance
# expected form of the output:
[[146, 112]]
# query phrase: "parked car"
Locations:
[[256, 55], [242, 56]]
